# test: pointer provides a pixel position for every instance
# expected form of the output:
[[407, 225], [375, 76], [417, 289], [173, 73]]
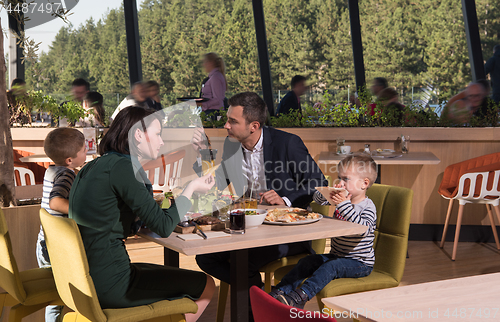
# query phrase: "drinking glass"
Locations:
[[405, 143], [237, 217]]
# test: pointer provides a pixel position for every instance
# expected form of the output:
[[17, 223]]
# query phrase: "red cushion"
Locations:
[[267, 309]]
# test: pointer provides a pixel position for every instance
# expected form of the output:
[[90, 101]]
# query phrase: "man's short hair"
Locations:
[[297, 79], [496, 48], [152, 83], [63, 143], [254, 107], [382, 82], [81, 82], [363, 164]]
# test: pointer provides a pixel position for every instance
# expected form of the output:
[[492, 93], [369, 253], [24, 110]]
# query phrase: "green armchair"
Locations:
[[391, 244]]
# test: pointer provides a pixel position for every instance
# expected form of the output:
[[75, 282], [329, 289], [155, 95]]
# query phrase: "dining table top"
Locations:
[[410, 158], [263, 235], [473, 298]]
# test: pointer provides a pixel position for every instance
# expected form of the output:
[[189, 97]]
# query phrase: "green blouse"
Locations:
[[104, 201]]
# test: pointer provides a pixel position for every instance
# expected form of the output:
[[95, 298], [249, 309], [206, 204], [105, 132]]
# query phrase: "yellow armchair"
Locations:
[[391, 243], [27, 291], [76, 288]]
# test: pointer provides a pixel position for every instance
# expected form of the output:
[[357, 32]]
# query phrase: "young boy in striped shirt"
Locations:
[[66, 148], [350, 256]]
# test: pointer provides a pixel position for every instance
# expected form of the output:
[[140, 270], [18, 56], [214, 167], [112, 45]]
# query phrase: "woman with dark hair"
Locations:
[[108, 195]]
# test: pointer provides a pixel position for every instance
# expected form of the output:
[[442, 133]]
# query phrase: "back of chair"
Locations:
[[9, 273], [24, 176], [165, 172], [393, 222], [70, 266], [451, 177], [267, 309]]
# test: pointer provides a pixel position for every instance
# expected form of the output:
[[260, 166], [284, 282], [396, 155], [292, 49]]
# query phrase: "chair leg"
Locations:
[[446, 222], [493, 226], [221, 305], [268, 276], [457, 231], [497, 210]]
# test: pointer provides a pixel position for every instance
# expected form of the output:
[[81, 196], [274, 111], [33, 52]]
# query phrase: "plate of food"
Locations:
[[385, 151], [291, 216]]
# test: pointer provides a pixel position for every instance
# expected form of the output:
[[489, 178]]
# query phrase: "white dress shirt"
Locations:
[[254, 170]]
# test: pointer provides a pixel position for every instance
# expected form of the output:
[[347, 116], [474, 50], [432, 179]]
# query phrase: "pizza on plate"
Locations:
[[289, 215]]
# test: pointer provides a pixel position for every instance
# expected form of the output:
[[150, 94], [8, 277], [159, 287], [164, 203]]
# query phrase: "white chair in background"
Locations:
[[479, 194], [165, 172], [20, 176]]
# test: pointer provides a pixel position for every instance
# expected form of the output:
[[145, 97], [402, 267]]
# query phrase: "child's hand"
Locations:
[[339, 198]]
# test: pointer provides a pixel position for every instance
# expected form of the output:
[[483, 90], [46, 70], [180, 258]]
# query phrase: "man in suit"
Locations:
[[291, 101], [275, 162]]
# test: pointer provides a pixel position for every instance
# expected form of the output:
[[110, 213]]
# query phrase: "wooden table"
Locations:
[[412, 158], [461, 299], [238, 245], [44, 158]]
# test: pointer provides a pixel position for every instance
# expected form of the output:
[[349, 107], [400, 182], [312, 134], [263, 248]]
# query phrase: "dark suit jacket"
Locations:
[[289, 103], [290, 170]]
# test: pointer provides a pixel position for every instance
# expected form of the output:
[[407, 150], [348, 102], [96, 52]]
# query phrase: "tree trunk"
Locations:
[[7, 187]]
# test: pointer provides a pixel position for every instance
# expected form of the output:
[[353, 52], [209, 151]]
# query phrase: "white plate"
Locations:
[[301, 222], [386, 152], [344, 154]]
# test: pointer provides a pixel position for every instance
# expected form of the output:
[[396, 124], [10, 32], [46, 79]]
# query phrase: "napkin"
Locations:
[[210, 235]]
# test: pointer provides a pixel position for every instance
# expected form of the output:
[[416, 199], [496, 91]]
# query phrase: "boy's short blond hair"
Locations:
[[63, 143], [363, 164]]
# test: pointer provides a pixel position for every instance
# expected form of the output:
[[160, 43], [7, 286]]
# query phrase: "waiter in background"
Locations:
[[214, 86]]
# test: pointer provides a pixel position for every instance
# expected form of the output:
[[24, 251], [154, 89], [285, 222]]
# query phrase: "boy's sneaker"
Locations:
[[275, 292], [294, 298]]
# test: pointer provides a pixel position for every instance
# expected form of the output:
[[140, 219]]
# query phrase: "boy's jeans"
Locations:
[[321, 269], [53, 313]]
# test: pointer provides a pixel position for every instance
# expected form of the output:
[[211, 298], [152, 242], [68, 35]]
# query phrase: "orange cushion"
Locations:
[[451, 178]]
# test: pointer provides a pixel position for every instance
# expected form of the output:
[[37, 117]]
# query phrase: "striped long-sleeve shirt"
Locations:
[[57, 182], [359, 247]]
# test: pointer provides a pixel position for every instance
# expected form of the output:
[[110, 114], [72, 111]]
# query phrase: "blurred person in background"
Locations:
[[138, 97], [389, 99], [93, 103], [492, 67], [378, 85], [215, 85], [474, 101], [152, 89], [291, 101], [79, 88]]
